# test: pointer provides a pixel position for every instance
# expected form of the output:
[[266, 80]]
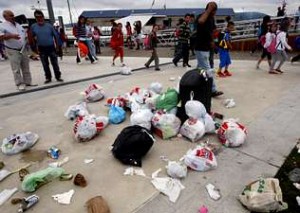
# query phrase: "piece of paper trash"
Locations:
[[229, 103], [172, 79], [298, 147], [59, 163], [6, 194], [64, 198], [131, 171], [213, 192], [298, 200], [168, 186], [87, 161], [203, 209]]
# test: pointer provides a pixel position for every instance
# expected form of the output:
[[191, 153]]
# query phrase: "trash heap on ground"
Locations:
[[182, 111]]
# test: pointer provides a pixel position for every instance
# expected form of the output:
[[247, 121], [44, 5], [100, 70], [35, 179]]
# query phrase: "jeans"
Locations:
[[47, 52], [280, 56], [203, 63], [91, 47], [183, 53]]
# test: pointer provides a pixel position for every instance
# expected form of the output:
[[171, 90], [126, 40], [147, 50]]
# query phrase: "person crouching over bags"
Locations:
[[117, 44], [152, 46]]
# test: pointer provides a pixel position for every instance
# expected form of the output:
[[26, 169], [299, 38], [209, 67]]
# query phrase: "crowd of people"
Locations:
[[196, 34]]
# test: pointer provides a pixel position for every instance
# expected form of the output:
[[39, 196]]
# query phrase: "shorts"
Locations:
[[224, 58]]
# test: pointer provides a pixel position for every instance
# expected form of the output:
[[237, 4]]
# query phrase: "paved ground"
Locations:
[[267, 104]]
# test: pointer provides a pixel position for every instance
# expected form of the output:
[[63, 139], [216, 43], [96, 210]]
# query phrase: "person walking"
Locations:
[[96, 38], [14, 37], [117, 44], [264, 28], [281, 46], [153, 45], [297, 45], [138, 33], [129, 35], [45, 35], [89, 39], [183, 42], [271, 40], [204, 41], [79, 31]]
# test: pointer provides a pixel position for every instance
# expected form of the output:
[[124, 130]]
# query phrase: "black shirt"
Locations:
[[204, 35]]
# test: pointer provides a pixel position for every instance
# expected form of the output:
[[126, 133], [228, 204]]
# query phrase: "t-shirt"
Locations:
[[44, 34], [204, 35]]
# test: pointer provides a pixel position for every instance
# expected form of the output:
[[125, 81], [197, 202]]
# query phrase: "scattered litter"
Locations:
[[156, 87], [64, 198], [97, 205], [28, 202], [16, 143], [53, 152], [232, 134], [297, 185], [87, 127], [298, 200], [168, 100], [168, 186], [263, 195], [116, 114], [6, 194], [65, 177], [15, 201], [213, 192], [23, 173], [76, 110], [94, 93], [87, 161], [176, 169], [294, 175], [5, 173], [203, 209], [193, 129], [132, 144], [298, 146], [126, 70], [112, 81], [34, 180], [79, 180], [165, 125], [172, 79], [131, 171], [200, 159], [142, 117], [229, 103], [164, 158], [210, 125], [195, 109], [59, 163]]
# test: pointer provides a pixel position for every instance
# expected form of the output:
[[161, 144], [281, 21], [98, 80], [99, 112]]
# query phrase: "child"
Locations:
[[117, 43], [224, 47], [153, 45], [270, 38], [281, 44]]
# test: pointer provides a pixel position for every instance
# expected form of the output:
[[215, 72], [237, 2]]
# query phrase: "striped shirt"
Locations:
[[81, 32], [184, 33]]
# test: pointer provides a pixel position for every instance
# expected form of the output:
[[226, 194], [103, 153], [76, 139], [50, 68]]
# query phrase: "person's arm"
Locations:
[[283, 41], [6, 36], [202, 19], [55, 36]]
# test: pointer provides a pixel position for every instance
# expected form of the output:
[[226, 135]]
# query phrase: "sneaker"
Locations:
[[227, 73], [60, 80], [157, 69], [22, 87], [113, 64], [147, 66], [47, 81], [186, 65], [94, 62], [216, 94], [175, 63], [221, 75]]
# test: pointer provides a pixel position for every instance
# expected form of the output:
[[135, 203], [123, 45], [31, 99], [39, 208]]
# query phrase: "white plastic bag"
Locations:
[[16, 143], [76, 110], [232, 134], [176, 169], [200, 159], [94, 93], [150, 102], [195, 109], [156, 87], [142, 118], [126, 70], [193, 129], [209, 124], [165, 125], [86, 127], [229, 103]]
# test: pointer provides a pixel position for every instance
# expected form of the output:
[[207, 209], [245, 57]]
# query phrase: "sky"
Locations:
[[77, 6]]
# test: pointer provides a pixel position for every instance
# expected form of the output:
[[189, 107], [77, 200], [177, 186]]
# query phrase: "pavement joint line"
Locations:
[[256, 158], [7, 95]]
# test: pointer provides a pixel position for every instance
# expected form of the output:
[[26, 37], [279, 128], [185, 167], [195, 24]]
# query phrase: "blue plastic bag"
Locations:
[[116, 114]]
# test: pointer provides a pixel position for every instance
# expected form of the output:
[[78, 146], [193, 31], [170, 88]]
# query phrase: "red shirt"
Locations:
[[117, 39]]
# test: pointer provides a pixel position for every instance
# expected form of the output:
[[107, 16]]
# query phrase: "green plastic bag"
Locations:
[[167, 100], [33, 181]]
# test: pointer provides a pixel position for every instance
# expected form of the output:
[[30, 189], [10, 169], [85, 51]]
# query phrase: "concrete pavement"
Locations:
[[267, 104]]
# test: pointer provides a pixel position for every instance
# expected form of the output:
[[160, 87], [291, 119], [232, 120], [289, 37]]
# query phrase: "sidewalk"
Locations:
[[267, 104]]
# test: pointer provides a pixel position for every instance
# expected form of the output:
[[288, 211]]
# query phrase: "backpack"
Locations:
[[132, 144], [147, 42], [221, 40], [272, 47], [262, 40]]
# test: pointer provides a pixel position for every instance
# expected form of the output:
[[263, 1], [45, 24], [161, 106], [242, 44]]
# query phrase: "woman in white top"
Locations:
[[270, 36], [281, 45]]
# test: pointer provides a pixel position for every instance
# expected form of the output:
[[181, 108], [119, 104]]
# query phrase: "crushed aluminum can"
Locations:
[[54, 152], [28, 202]]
